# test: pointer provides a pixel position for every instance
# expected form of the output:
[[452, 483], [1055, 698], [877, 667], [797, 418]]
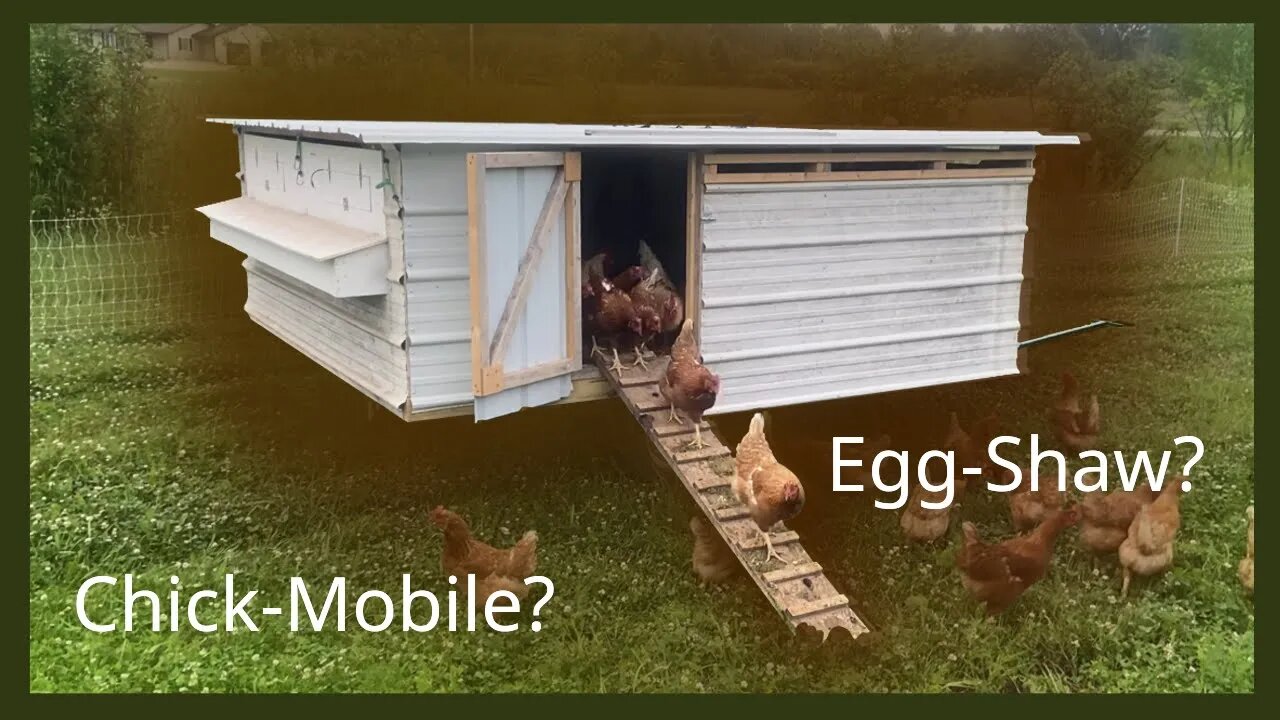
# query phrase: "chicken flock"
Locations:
[[638, 309]]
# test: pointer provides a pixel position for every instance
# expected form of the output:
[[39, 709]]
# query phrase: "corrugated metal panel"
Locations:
[[437, 277], [572, 136], [820, 291], [513, 199], [359, 339]]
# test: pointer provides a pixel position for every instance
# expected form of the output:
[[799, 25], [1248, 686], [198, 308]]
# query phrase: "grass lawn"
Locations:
[[197, 455]]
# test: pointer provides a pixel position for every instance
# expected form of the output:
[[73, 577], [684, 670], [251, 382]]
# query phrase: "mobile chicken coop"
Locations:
[[436, 267]]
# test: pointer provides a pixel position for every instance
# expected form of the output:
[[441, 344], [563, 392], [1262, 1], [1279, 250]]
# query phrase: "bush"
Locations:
[[89, 107]]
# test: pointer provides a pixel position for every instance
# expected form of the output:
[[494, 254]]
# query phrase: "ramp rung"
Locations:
[[812, 607], [795, 572], [712, 481], [714, 450], [645, 398], [663, 427], [756, 542], [733, 512]]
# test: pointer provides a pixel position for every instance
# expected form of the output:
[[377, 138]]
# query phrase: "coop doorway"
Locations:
[[632, 200]]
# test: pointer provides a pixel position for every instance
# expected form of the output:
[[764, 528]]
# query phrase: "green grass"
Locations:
[[169, 454], [1188, 157]]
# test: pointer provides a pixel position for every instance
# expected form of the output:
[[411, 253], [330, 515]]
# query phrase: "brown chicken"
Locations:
[[712, 561], [1028, 508], [688, 385], [628, 279], [997, 575], [615, 319], [1075, 428], [924, 524], [1148, 547], [971, 448], [658, 292], [1105, 519], [771, 492], [1246, 564], [494, 569]]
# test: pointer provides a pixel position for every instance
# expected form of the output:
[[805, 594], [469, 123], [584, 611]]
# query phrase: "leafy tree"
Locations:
[[1216, 83], [89, 108]]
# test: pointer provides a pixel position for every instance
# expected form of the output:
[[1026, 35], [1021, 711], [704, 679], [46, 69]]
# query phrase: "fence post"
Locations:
[[1177, 230]]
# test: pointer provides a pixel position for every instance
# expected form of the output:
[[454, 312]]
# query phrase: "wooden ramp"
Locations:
[[795, 586]]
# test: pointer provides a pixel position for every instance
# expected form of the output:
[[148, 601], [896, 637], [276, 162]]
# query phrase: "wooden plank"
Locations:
[[733, 512], [794, 572], [523, 159], [756, 542], [811, 607], [712, 451], [645, 398], [842, 176], [572, 269], [573, 167], [528, 269], [873, 156], [533, 374], [476, 259], [693, 244]]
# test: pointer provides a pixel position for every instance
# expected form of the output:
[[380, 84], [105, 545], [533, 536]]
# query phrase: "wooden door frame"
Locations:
[[487, 376]]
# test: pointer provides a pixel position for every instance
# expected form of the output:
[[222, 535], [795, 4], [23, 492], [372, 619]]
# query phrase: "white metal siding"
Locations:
[[437, 277], [357, 339], [817, 291]]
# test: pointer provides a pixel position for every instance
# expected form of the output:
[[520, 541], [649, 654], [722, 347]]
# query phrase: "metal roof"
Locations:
[[551, 135]]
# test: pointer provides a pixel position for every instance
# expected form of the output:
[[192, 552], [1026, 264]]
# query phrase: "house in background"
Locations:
[[188, 45], [234, 44], [172, 41]]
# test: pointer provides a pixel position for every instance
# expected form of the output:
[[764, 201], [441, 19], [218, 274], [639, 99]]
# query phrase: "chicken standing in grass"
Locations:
[[1077, 429], [997, 575], [688, 385], [1029, 507], [494, 568], [924, 524], [1148, 547], [970, 448], [771, 492], [1105, 519], [1246, 564]]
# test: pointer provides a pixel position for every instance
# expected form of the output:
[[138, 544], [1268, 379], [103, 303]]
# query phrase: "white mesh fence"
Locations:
[[157, 272], [1184, 217], [123, 273]]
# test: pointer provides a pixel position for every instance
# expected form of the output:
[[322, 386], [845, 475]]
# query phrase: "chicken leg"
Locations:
[[639, 350], [770, 553], [696, 443], [1124, 584], [595, 347], [617, 365]]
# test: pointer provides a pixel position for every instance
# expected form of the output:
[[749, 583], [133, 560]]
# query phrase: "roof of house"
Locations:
[[161, 28], [707, 136], [215, 30]]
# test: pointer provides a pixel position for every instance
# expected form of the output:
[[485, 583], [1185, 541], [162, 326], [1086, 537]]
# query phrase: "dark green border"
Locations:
[[16, 273]]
